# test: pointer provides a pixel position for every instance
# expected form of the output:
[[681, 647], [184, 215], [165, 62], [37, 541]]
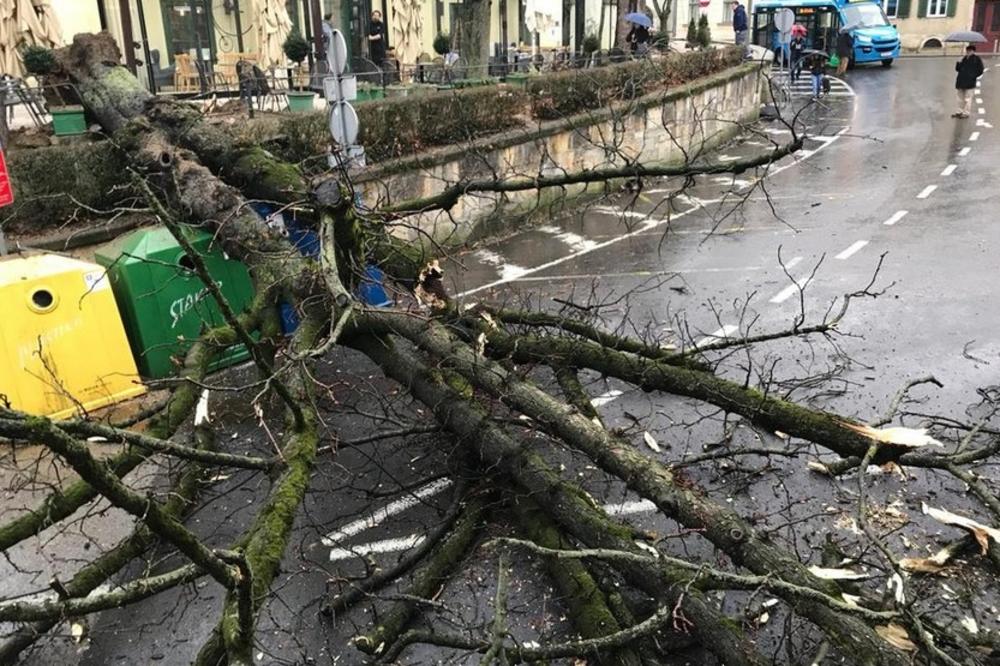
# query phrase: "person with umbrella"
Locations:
[[969, 69], [795, 50], [638, 37], [845, 50]]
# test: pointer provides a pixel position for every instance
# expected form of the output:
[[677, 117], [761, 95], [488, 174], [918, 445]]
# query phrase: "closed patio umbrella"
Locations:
[[273, 27], [51, 36], [10, 63]]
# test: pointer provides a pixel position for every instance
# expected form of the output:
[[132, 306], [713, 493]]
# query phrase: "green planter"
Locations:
[[68, 120], [300, 101], [518, 79], [474, 83], [369, 94], [396, 91], [163, 303]]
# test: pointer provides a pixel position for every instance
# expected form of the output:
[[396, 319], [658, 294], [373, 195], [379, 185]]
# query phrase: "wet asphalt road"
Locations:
[[708, 268]]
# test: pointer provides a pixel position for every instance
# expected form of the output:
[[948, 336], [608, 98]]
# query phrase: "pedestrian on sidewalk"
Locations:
[[816, 62], [845, 49], [795, 50], [969, 69], [740, 26], [376, 39]]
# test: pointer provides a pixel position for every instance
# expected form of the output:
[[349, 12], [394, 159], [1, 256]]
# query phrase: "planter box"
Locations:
[[519, 79], [300, 101], [369, 94], [396, 91], [68, 120]]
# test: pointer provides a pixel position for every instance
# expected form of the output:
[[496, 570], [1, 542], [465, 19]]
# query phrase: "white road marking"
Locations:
[[974, 136], [982, 123], [606, 397], [643, 227], [849, 252], [896, 217], [507, 271], [982, 111], [382, 514], [792, 263], [595, 276], [385, 546], [786, 293], [965, 151], [926, 192], [950, 169], [718, 336], [618, 212], [576, 242]]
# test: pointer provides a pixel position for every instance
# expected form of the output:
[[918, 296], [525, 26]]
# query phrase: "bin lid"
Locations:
[[150, 242], [40, 266]]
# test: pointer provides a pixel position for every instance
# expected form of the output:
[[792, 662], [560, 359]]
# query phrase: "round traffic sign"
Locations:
[[336, 57], [784, 18], [344, 123]]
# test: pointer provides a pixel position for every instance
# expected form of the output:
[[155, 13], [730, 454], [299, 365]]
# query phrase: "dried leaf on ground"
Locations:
[[651, 442], [899, 436], [933, 564], [983, 533], [837, 574], [896, 636]]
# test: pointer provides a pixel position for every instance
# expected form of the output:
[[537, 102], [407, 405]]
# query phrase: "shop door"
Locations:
[[986, 20]]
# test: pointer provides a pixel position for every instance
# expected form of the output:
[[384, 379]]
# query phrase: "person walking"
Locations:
[[795, 49], [376, 38], [816, 62], [638, 39], [740, 26], [845, 49], [969, 69]]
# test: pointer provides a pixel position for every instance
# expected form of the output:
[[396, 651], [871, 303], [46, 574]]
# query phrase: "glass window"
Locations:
[[995, 19], [937, 7], [891, 8], [188, 28], [869, 15], [727, 12]]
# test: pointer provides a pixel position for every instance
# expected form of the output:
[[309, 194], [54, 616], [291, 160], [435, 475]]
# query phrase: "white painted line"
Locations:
[[576, 242], [785, 293], [596, 276], [982, 111], [606, 397], [849, 252], [646, 225], [378, 516], [507, 271], [965, 151], [792, 263], [718, 336], [974, 136], [385, 546], [618, 212], [926, 192], [625, 508], [950, 169], [982, 123], [896, 217]]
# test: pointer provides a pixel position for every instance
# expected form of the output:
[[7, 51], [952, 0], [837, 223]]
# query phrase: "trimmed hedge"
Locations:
[[42, 177], [563, 94]]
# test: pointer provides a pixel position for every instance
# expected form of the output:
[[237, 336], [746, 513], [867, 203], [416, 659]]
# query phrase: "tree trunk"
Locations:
[[472, 36]]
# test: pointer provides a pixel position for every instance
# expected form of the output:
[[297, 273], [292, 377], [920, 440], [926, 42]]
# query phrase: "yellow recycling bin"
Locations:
[[62, 345]]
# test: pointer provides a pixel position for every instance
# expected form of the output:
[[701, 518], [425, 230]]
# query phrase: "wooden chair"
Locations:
[[225, 67], [186, 77]]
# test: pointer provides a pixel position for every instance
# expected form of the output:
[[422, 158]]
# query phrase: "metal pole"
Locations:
[[127, 37], [145, 48], [102, 14], [239, 26]]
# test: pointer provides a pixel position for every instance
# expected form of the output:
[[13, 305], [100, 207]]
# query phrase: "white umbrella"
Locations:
[[407, 30], [273, 27], [52, 36], [9, 36]]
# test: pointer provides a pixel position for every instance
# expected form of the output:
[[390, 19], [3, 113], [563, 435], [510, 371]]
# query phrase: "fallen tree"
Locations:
[[505, 386]]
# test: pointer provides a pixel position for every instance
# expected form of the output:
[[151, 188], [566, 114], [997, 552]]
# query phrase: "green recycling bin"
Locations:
[[164, 304]]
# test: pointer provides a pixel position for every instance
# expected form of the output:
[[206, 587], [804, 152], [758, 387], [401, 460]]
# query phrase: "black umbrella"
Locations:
[[966, 36]]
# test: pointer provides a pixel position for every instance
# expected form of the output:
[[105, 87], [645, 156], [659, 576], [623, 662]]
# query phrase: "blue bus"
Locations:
[[875, 39]]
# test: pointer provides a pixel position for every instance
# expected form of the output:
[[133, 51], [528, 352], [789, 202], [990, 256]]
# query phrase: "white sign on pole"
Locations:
[[341, 89], [336, 56], [784, 19], [344, 123]]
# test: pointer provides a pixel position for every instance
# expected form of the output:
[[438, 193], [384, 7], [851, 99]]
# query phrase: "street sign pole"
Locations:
[[339, 89]]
